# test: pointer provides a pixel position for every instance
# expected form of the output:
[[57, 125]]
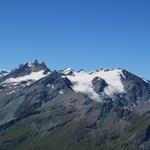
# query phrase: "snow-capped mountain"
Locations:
[[107, 104], [83, 81], [25, 75], [98, 85], [28, 71], [16, 80], [117, 84]]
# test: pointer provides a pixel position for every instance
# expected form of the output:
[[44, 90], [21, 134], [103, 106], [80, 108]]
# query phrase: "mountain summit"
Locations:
[[105, 109], [28, 71], [28, 68]]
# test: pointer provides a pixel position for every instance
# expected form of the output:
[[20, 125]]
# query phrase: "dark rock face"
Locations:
[[137, 89], [106, 107], [99, 84], [147, 134], [40, 93]]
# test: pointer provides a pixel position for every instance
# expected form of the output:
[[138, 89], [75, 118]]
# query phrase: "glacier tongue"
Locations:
[[82, 82]]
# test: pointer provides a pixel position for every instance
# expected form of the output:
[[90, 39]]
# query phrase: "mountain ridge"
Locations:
[[59, 106]]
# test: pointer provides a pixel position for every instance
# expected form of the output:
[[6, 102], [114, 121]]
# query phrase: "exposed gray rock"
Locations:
[[99, 84], [137, 90]]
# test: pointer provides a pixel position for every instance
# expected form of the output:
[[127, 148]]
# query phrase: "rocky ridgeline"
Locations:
[[48, 112]]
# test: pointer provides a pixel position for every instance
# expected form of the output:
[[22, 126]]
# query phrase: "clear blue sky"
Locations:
[[85, 34]]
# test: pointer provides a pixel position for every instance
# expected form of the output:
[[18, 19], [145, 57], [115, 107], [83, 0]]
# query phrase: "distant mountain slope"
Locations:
[[40, 109]]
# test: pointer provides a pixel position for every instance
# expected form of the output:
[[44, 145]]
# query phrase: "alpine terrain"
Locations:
[[41, 109]]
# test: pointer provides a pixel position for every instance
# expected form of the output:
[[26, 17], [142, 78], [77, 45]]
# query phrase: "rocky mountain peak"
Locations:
[[26, 73], [29, 67]]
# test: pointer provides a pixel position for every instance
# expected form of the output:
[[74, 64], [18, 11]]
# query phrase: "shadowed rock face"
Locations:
[[49, 114], [99, 84], [137, 90], [42, 92], [34, 96]]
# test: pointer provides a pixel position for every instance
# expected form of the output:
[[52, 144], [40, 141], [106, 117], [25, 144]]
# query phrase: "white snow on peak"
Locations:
[[67, 71], [61, 92], [147, 81], [82, 82], [33, 76], [30, 64]]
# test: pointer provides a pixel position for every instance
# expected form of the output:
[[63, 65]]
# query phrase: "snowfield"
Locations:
[[82, 82], [33, 76]]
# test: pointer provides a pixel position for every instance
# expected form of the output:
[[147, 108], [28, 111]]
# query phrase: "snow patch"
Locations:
[[30, 64], [50, 86], [67, 71], [61, 92], [33, 76], [11, 92]]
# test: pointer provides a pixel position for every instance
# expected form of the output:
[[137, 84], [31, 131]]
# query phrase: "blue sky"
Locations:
[[85, 34]]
